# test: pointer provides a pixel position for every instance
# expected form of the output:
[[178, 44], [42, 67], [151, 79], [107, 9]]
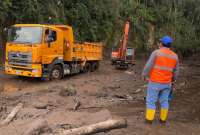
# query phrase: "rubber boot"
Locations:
[[163, 115], [150, 113]]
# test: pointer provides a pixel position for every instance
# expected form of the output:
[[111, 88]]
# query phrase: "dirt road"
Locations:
[[103, 94]]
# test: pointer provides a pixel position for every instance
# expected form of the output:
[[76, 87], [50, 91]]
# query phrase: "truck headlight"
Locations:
[[35, 71], [8, 68]]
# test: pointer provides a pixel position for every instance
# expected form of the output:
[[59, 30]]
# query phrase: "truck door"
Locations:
[[50, 49]]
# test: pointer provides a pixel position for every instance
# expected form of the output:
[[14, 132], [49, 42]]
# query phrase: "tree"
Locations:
[[103, 20]]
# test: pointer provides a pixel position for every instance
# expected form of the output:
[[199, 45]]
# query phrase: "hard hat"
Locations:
[[166, 40]]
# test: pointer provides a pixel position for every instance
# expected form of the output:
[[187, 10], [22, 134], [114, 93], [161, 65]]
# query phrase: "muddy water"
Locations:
[[9, 88], [12, 84], [6, 85], [128, 109]]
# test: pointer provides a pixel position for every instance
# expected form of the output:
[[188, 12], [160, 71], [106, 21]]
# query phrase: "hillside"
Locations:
[[95, 20]]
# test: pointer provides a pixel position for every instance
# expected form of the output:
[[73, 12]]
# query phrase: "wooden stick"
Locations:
[[77, 105], [96, 128], [12, 115]]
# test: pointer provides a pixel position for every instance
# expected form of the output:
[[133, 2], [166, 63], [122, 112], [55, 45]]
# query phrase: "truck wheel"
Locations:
[[93, 67], [56, 73], [97, 65], [88, 67]]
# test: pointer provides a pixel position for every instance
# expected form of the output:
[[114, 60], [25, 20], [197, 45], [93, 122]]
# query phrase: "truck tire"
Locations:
[[97, 67], [56, 73], [93, 66], [88, 67]]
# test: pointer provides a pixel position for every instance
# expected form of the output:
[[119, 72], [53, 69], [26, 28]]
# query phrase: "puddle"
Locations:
[[128, 109], [9, 87]]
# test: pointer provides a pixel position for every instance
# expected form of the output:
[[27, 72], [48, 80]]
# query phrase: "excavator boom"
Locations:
[[124, 41]]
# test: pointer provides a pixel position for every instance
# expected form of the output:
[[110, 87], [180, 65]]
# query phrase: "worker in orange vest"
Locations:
[[161, 71]]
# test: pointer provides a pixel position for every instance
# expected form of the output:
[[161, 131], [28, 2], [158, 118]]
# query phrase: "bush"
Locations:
[[187, 48]]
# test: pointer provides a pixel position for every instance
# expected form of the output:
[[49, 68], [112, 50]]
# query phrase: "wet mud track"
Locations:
[[103, 94]]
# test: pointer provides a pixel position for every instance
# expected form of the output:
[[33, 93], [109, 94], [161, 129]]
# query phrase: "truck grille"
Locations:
[[19, 59]]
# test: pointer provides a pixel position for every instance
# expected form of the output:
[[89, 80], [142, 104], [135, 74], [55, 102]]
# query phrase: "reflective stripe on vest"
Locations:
[[167, 55], [164, 65], [163, 68]]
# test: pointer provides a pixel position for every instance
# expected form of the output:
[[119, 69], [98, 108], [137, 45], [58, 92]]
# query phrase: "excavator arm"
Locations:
[[123, 46]]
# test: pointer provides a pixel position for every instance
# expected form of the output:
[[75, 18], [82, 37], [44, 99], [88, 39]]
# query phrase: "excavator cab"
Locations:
[[127, 61], [130, 53]]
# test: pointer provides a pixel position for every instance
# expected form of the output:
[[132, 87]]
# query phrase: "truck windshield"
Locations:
[[23, 35]]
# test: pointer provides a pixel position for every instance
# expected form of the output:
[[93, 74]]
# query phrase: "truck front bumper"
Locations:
[[34, 71]]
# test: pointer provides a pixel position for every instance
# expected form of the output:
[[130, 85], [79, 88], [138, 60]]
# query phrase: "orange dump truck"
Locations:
[[48, 51]]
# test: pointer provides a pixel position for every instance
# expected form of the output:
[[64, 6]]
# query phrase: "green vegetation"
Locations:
[[103, 20], [0, 57]]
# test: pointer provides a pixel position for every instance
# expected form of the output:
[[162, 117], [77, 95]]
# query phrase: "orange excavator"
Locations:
[[123, 57]]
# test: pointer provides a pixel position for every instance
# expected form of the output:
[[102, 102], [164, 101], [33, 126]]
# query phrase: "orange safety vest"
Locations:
[[164, 65]]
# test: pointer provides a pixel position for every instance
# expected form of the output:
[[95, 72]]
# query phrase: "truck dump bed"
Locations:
[[78, 50], [87, 51]]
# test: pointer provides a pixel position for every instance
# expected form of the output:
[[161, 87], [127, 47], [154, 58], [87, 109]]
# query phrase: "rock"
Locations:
[[129, 72], [40, 105], [182, 84], [137, 91], [68, 91], [129, 97]]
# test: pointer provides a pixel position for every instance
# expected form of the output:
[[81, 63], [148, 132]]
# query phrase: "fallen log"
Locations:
[[12, 115], [36, 127], [96, 128]]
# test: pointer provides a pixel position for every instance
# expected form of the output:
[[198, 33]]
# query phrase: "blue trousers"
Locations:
[[155, 92]]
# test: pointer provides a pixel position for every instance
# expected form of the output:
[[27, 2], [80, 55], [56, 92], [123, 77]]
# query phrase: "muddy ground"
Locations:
[[103, 94]]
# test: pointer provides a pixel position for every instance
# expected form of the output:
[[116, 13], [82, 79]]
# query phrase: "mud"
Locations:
[[103, 94]]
